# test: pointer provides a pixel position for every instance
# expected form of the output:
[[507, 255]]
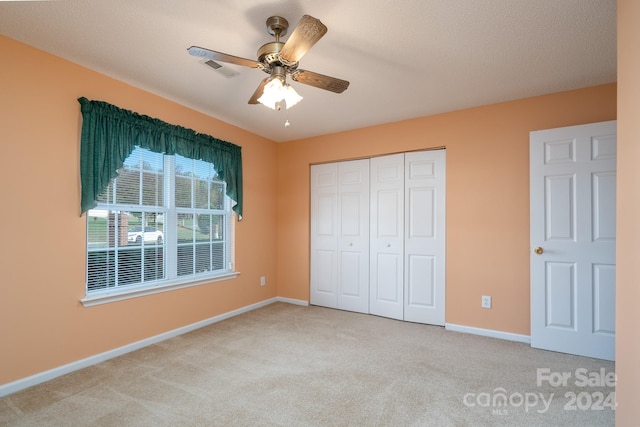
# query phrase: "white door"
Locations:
[[424, 287], [573, 198], [324, 235], [340, 235], [353, 235], [387, 236]]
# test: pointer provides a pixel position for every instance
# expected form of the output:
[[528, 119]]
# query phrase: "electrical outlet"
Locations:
[[486, 301], [263, 281]]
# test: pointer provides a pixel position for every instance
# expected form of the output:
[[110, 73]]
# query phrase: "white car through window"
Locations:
[[149, 235]]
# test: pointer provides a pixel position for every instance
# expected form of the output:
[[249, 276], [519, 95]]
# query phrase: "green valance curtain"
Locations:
[[109, 135]]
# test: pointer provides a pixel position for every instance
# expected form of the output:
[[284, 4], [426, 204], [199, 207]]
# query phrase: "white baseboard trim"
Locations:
[[45, 376], [488, 333], [293, 301]]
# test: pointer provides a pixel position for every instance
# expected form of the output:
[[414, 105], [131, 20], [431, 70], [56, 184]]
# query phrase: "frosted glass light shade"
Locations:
[[275, 92], [291, 97]]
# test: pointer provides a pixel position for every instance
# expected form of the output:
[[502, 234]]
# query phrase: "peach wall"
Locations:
[[628, 271], [42, 323], [487, 196]]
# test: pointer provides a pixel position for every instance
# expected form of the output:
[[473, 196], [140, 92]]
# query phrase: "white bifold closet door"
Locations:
[[378, 241], [407, 237], [340, 235], [424, 237], [387, 236]]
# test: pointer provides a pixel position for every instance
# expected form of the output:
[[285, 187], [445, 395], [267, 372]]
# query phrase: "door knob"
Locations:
[[388, 245], [538, 250]]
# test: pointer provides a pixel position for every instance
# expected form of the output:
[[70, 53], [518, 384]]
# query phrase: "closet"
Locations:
[[378, 236]]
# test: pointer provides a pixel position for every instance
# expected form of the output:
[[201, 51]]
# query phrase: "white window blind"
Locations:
[[163, 220]]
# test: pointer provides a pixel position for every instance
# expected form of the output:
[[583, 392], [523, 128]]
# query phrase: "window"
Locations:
[[164, 222]]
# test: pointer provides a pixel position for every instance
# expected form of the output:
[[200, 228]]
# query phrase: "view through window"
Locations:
[[163, 220]]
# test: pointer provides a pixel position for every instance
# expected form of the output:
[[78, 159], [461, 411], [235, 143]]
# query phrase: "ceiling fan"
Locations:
[[279, 59]]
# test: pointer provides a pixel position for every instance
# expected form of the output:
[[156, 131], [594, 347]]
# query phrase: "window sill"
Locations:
[[113, 295]]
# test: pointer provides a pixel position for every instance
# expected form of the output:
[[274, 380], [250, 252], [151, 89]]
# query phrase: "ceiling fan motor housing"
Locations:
[[269, 53]]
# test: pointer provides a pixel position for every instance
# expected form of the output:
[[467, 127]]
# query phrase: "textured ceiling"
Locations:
[[404, 58]]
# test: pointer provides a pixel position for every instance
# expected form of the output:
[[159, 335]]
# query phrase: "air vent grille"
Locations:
[[213, 64], [226, 71]]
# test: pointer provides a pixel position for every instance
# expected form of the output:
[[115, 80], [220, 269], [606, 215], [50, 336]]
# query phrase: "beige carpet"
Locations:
[[286, 365]]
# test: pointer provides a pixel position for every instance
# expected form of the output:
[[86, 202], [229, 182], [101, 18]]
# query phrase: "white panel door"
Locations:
[[324, 235], [424, 287], [387, 236], [353, 235], [573, 199]]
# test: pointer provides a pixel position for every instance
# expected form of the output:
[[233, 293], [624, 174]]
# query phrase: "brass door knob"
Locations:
[[538, 250]]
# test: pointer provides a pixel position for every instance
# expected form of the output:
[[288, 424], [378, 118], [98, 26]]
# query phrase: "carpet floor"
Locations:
[[288, 365]]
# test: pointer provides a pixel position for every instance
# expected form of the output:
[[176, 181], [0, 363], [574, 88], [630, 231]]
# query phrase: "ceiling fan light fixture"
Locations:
[[275, 91], [272, 93], [291, 97]]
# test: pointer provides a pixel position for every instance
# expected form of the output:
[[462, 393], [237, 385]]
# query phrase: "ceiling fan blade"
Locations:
[[201, 52], [308, 31], [258, 93], [320, 81]]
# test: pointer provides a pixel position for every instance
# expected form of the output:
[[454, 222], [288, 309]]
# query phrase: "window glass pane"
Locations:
[[127, 186], [218, 227], [218, 259], [186, 231], [152, 188], [100, 270], [97, 228], [203, 258], [203, 174], [185, 227], [201, 194], [183, 191], [145, 228], [217, 195], [153, 263], [203, 232], [185, 260], [129, 266]]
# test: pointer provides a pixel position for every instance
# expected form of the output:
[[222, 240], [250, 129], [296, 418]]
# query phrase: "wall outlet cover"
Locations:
[[486, 301]]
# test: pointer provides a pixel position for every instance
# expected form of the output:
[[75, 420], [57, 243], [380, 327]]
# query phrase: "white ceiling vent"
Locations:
[[219, 68]]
